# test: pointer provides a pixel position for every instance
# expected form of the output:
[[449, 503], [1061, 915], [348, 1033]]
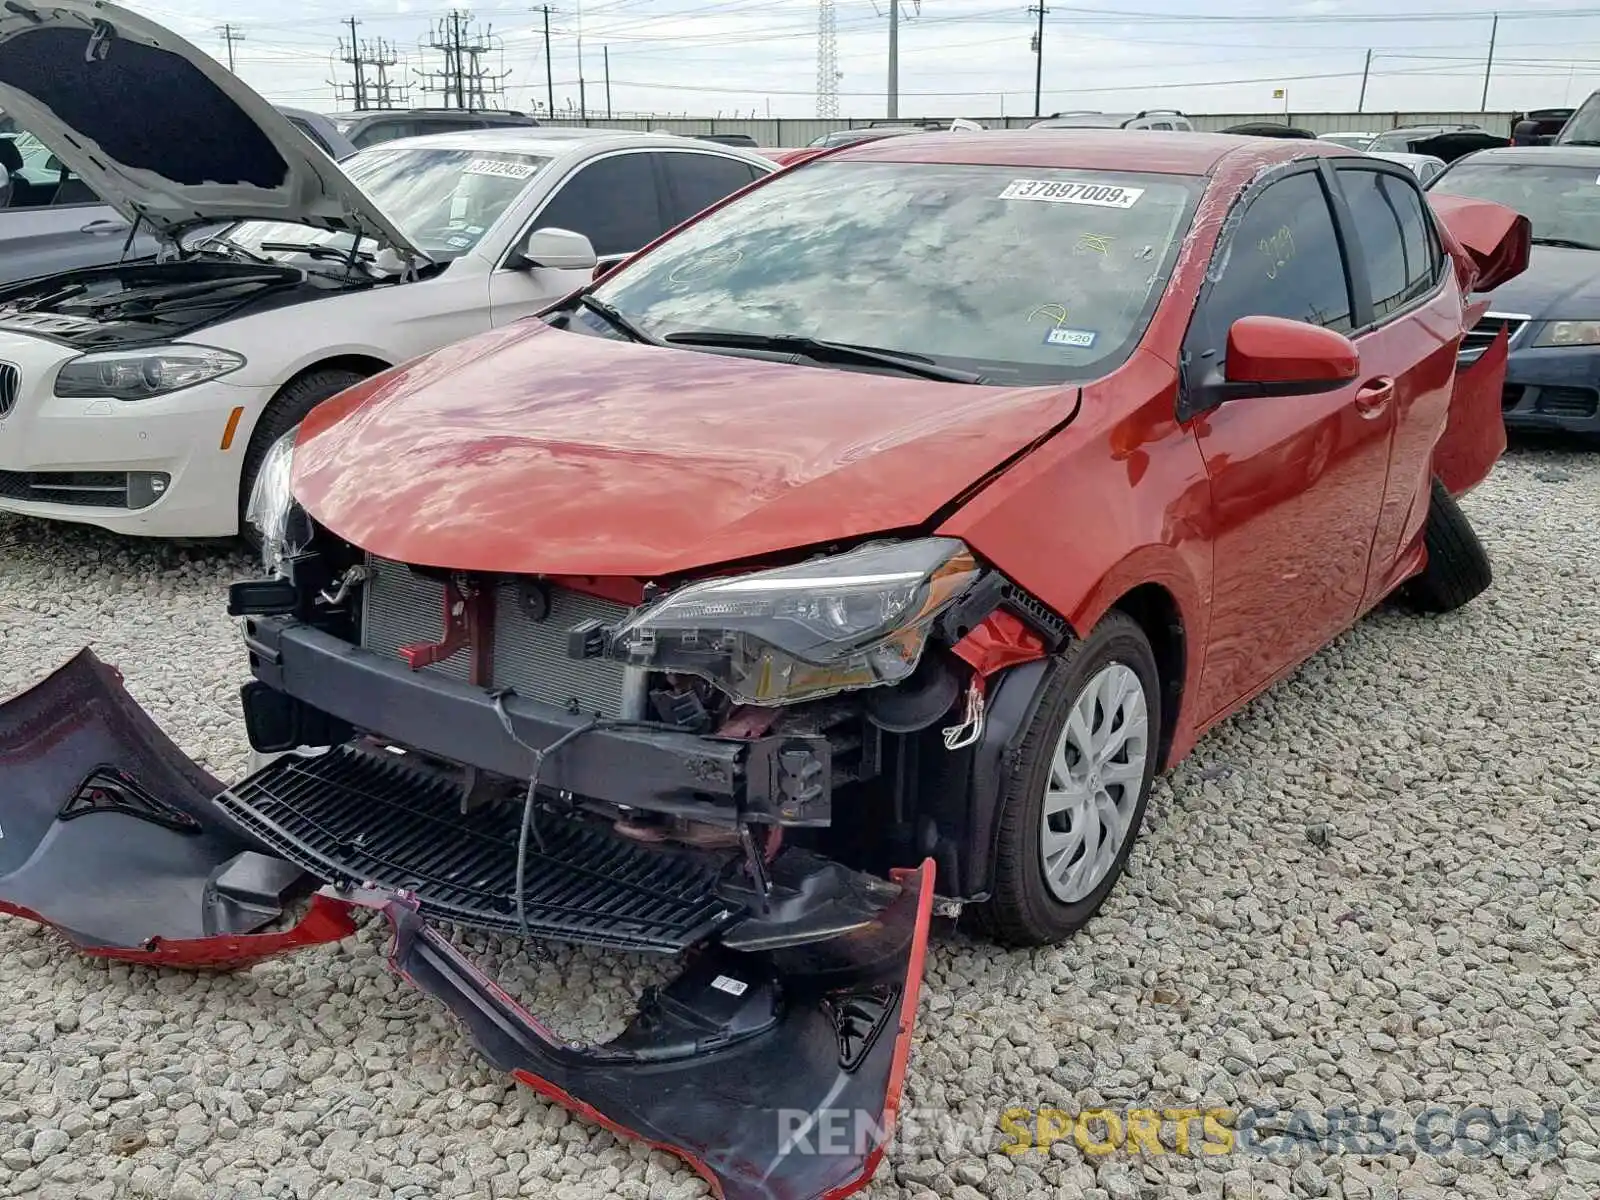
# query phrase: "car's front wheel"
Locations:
[[1458, 567], [1072, 806]]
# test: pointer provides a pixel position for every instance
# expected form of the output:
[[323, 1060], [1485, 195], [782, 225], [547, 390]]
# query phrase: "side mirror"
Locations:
[[555, 249], [1273, 356]]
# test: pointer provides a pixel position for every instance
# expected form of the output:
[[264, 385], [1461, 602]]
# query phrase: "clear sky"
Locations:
[[957, 57]]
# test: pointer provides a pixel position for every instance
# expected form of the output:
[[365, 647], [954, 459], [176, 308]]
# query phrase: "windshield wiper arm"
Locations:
[[1564, 243], [612, 315], [823, 350], [313, 250]]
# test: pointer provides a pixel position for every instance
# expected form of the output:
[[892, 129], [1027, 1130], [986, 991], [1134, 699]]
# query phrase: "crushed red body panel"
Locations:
[[1475, 437]]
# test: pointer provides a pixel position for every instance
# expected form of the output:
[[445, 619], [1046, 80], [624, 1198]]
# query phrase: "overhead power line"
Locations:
[[462, 81]]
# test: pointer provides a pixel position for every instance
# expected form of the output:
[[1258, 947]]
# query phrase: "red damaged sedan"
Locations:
[[878, 535]]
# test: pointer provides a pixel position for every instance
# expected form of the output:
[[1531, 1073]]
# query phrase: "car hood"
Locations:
[[161, 130], [1559, 283], [532, 450]]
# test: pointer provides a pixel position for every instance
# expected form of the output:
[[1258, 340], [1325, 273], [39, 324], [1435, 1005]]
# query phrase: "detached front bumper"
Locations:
[[119, 842]]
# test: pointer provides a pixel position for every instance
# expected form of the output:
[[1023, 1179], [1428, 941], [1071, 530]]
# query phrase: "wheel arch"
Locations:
[[1156, 611]]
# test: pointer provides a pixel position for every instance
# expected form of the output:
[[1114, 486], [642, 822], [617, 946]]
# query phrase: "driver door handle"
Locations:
[[1372, 398]]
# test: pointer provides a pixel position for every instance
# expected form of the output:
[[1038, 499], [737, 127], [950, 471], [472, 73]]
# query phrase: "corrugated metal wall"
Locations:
[[801, 131]]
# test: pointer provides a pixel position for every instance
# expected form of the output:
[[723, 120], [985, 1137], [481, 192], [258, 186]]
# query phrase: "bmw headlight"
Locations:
[[140, 374], [281, 525], [828, 625]]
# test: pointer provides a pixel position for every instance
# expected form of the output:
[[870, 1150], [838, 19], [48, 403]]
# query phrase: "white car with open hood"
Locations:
[[143, 397]]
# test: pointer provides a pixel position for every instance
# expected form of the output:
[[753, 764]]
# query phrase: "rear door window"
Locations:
[[697, 181], [615, 202]]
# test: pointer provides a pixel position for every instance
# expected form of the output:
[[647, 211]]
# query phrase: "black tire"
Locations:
[[1021, 910], [283, 412], [1458, 567]]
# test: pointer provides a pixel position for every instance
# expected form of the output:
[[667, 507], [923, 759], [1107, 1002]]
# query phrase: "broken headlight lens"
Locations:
[[828, 625], [140, 374], [281, 525]]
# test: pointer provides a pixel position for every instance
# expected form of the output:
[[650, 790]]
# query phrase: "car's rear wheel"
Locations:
[[1458, 567], [286, 410], [1072, 807]]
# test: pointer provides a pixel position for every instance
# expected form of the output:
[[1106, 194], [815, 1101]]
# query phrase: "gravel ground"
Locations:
[[1377, 888]]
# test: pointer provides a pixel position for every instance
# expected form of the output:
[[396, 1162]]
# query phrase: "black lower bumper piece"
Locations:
[[776, 1076], [108, 833], [368, 817]]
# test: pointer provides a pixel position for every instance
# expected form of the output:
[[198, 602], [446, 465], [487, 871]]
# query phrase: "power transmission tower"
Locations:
[[462, 81], [383, 92], [230, 35], [828, 74]]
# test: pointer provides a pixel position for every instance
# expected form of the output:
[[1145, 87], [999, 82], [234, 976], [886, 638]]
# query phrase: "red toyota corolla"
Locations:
[[897, 519]]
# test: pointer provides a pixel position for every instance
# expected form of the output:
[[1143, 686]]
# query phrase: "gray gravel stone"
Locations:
[[1431, 943]]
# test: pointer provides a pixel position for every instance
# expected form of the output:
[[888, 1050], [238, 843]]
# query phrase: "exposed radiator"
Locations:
[[403, 609]]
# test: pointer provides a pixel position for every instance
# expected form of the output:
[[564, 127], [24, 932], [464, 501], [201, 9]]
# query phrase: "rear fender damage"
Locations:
[[775, 1074]]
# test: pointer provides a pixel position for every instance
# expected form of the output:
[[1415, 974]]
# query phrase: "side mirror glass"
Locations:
[[555, 249]]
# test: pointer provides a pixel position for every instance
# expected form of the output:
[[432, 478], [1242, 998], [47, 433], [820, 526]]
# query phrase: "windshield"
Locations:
[[1560, 202], [1023, 275], [444, 200], [1584, 125]]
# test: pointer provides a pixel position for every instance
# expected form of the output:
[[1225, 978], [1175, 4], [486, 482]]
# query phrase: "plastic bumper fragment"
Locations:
[[775, 1076], [108, 834]]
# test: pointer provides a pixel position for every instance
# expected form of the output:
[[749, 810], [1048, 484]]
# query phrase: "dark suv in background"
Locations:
[[363, 129]]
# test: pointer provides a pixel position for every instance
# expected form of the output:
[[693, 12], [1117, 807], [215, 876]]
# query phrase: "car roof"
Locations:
[[1549, 156], [1155, 151], [550, 142]]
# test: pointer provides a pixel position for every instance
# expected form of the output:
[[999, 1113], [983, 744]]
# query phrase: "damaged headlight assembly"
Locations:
[[281, 525], [141, 374], [828, 625]]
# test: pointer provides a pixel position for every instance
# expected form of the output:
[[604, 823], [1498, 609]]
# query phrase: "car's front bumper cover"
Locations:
[[113, 837], [1555, 388]]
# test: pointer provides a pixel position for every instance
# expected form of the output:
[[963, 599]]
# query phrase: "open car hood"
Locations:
[[161, 131], [532, 450]]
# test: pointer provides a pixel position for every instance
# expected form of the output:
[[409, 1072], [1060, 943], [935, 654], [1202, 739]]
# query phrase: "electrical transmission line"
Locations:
[[462, 81], [367, 89]]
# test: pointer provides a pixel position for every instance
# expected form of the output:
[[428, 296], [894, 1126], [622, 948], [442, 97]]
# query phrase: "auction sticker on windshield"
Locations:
[[506, 168], [1066, 191]]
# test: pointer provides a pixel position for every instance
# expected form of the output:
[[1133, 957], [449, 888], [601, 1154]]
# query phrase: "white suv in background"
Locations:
[[142, 397]]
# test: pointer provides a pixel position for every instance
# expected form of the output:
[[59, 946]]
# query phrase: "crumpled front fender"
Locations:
[[108, 834]]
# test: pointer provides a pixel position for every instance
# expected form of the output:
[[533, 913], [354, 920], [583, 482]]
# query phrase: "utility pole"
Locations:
[[462, 79], [1361, 104], [1488, 67], [606, 51], [549, 75], [230, 35], [1038, 50], [894, 59], [351, 57]]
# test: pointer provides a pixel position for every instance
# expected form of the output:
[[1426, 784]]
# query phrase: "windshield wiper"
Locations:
[[231, 249], [313, 250], [824, 351], [614, 317], [1564, 243]]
